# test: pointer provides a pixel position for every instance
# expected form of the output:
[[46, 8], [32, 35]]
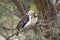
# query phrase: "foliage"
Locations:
[[33, 7], [9, 20]]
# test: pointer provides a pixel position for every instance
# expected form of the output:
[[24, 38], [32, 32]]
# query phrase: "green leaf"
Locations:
[[33, 7]]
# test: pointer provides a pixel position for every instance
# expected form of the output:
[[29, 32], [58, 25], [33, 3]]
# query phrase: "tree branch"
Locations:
[[19, 7]]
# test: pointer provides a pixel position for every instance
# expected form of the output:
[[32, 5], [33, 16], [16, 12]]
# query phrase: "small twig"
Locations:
[[11, 36], [23, 29]]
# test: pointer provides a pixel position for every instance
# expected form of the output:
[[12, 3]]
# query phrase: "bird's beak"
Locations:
[[35, 15]]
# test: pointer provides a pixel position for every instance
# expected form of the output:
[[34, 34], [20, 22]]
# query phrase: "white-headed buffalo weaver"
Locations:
[[28, 20]]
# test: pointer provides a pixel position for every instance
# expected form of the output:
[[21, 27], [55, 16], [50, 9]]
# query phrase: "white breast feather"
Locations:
[[28, 22], [31, 22]]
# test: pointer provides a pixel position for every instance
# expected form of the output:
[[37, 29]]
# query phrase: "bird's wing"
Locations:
[[22, 23]]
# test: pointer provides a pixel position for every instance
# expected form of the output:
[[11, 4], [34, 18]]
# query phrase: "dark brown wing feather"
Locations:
[[22, 23]]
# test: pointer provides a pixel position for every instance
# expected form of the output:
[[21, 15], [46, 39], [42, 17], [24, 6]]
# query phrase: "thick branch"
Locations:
[[40, 4], [19, 7]]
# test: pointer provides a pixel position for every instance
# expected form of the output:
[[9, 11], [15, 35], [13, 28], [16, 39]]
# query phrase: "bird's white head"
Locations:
[[32, 13]]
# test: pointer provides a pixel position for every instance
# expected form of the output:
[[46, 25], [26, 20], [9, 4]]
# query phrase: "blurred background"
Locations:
[[11, 12]]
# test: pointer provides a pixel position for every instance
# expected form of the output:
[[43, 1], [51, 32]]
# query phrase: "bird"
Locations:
[[29, 20]]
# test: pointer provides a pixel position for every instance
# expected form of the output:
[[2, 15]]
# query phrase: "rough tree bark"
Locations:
[[19, 7]]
